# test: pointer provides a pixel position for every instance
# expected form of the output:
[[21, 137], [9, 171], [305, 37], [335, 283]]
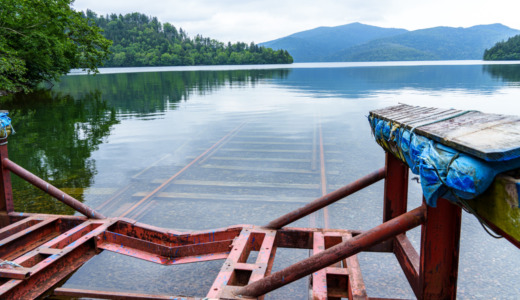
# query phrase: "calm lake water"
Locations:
[[112, 139]]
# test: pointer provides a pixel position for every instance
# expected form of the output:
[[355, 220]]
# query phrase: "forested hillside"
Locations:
[[438, 43], [315, 44], [508, 50], [139, 40]]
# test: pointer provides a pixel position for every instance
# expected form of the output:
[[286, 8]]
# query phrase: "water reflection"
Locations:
[[138, 130], [56, 135], [59, 129], [362, 82], [147, 93], [509, 73]]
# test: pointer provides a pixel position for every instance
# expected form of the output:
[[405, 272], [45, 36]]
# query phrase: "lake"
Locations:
[[244, 145]]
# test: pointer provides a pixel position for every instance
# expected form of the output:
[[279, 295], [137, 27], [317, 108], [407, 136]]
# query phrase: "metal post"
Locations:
[[396, 188], [439, 261], [50, 189], [336, 253], [327, 199], [6, 193], [395, 204]]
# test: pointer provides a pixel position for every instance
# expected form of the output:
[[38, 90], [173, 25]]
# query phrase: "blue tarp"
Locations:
[[444, 171], [4, 119]]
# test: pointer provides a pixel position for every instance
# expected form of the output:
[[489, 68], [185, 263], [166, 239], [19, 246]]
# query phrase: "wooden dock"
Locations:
[[490, 137]]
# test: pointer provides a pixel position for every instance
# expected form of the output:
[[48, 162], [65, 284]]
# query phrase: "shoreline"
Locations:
[[296, 65]]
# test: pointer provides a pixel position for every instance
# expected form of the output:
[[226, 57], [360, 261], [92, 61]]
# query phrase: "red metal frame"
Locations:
[[433, 273], [49, 189], [327, 199], [440, 252], [396, 188], [336, 253], [48, 248], [6, 193]]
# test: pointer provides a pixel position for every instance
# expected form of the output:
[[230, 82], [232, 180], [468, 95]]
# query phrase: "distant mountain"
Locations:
[[359, 42], [315, 44]]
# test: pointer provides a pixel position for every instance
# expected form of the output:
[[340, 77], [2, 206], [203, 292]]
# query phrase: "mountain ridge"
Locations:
[[361, 42]]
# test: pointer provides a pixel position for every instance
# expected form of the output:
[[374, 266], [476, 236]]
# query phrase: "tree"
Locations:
[[14, 70], [508, 50], [43, 40]]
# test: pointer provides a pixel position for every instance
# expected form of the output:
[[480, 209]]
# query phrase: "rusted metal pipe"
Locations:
[[336, 253], [327, 199], [51, 190]]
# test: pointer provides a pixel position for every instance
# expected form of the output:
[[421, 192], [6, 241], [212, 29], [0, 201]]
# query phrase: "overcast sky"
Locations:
[[264, 20]]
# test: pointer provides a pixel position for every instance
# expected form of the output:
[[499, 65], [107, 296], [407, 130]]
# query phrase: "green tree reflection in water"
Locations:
[[56, 135], [58, 130], [142, 94], [508, 73]]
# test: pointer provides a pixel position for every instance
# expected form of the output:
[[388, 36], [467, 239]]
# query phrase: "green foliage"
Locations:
[[155, 92], [12, 70], [139, 40], [58, 130], [57, 134], [42, 40], [508, 50]]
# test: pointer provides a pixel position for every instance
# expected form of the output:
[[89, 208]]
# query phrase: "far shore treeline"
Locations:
[[505, 50], [139, 40], [40, 41]]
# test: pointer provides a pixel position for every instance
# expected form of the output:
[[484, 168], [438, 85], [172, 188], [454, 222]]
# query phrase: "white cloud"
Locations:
[[259, 21]]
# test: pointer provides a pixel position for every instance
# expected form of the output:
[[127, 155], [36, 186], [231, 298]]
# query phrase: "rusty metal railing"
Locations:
[[51, 190], [328, 199], [336, 253]]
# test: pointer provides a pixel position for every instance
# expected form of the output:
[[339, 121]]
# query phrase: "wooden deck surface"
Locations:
[[491, 137]]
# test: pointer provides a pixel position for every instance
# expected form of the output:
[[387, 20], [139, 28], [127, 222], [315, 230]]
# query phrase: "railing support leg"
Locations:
[[6, 193], [50, 189], [396, 188], [439, 264], [336, 253]]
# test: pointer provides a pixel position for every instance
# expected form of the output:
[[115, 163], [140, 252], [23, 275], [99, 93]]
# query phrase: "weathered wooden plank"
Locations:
[[491, 137], [273, 159], [93, 191], [262, 159], [259, 169], [264, 150], [269, 143], [231, 197], [246, 184]]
